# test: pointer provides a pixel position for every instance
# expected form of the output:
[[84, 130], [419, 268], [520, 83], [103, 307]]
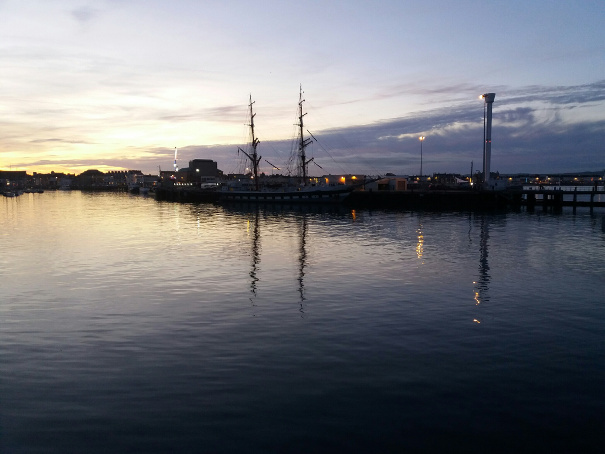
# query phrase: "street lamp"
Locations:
[[421, 138]]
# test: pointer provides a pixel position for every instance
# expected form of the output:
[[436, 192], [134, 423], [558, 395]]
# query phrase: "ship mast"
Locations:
[[303, 143], [254, 158]]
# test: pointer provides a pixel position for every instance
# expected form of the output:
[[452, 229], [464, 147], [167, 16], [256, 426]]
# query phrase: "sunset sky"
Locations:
[[118, 84]]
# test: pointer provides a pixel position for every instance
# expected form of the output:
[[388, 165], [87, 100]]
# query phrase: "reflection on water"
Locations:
[[255, 236], [482, 285], [254, 232], [420, 243], [302, 259], [126, 327]]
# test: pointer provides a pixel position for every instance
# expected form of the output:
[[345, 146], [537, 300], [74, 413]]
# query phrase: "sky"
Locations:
[[119, 84]]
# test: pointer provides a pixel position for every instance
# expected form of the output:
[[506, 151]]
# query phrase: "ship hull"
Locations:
[[305, 196]]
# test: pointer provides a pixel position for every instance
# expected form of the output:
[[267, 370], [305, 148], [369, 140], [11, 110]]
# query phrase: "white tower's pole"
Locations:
[[421, 138], [487, 135]]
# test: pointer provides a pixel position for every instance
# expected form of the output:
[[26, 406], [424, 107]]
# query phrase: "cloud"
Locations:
[[535, 129], [558, 95], [524, 139], [224, 114], [85, 14], [56, 140]]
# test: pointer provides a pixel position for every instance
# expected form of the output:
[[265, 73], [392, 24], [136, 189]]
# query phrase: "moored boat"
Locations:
[[307, 194], [303, 192]]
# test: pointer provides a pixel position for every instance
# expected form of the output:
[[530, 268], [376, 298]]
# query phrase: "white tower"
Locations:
[[487, 135]]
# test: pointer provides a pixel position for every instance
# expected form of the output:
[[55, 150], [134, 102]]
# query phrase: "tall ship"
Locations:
[[305, 191]]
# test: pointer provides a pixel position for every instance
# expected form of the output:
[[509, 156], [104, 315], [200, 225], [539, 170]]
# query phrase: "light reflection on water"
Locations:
[[134, 325]]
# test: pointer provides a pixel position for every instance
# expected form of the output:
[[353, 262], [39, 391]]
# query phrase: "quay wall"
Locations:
[[454, 200], [431, 200], [186, 195]]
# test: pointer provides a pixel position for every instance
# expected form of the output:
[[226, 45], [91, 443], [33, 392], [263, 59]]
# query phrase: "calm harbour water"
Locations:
[[130, 325]]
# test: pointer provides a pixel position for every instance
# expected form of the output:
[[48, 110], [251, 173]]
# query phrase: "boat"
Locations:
[[300, 195], [303, 192], [133, 187]]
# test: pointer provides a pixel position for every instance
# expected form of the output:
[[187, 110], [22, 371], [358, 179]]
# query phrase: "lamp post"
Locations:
[[421, 138]]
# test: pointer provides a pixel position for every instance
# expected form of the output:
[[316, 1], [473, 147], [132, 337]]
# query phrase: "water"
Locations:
[[130, 325]]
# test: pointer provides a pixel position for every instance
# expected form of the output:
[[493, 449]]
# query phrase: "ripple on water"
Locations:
[[134, 325]]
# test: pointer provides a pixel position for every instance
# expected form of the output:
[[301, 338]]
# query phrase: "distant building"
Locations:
[[388, 183], [334, 180], [147, 181], [13, 179], [199, 172], [203, 168], [170, 176], [52, 180], [90, 179]]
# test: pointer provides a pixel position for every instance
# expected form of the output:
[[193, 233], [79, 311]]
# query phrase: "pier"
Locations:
[[513, 198], [427, 199], [454, 200], [557, 198]]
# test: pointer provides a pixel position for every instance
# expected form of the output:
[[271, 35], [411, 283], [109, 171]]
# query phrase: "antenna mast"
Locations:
[[304, 143], [254, 158]]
